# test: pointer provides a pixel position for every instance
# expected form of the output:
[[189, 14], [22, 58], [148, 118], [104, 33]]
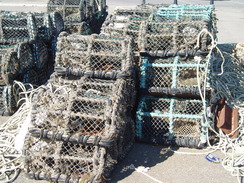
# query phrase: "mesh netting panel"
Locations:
[[9, 65], [44, 26], [40, 52], [17, 27], [94, 53], [163, 120], [171, 36], [173, 73]]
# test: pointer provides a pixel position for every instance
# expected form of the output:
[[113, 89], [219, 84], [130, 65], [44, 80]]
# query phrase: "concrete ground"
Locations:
[[165, 165]]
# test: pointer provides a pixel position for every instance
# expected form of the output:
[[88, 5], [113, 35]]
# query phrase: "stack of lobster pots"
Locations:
[[81, 121], [80, 16], [173, 43], [26, 44]]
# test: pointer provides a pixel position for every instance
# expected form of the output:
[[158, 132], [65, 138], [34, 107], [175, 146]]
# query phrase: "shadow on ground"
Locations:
[[140, 155]]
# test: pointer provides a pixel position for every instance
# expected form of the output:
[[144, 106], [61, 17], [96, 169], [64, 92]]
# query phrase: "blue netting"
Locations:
[[174, 121]]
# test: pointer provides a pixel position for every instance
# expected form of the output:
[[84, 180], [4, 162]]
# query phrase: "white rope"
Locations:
[[12, 140]]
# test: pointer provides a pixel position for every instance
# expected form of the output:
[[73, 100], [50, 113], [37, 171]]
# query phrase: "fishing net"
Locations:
[[95, 53], [171, 121], [17, 27], [9, 64], [174, 76], [75, 129], [227, 79]]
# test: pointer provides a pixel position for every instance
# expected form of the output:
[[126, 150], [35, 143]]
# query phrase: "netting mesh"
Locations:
[[94, 53], [9, 64], [170, 121], [17, 27], [173, 74]]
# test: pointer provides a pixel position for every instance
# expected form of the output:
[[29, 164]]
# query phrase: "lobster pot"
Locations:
[[66, 162], [90, 108], [40, 52], [44, 26], [171, 38], [7, 104], [78, 131], [9, 64], [184, 12], [94, 53], [17, 27], [71, 11], [173, 76], [171, 121]]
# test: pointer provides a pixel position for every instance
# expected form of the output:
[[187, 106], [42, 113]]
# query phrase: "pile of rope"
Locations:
[[80, 16], [27, 49]]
